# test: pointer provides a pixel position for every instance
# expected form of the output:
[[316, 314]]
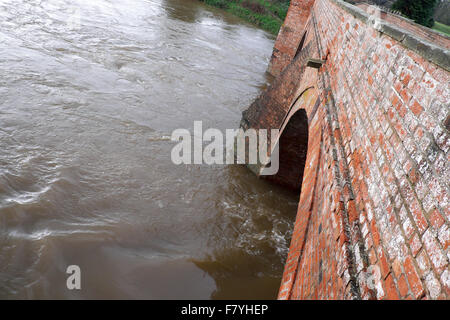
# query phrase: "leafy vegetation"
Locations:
[[421, 11], [267, 14]]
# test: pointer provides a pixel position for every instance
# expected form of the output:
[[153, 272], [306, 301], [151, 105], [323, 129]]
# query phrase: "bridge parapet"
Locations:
[[373, 216]]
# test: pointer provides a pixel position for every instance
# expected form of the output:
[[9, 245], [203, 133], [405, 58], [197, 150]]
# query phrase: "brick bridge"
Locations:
[[362, 100]]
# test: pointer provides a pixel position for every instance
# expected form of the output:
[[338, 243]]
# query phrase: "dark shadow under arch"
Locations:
[[293, 144]]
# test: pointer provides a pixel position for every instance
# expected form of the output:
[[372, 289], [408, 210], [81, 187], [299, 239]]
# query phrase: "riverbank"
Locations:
[[445, 29], [268, 15]]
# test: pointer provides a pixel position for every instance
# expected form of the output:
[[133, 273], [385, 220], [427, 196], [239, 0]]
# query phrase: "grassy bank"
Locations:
[[442, 28], [267, 14]]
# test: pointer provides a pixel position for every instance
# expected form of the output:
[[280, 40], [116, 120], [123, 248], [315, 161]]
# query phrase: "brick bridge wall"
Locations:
[[373, 216]]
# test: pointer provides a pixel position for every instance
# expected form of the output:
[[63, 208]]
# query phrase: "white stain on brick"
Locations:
[[433, 285], [436, 256]]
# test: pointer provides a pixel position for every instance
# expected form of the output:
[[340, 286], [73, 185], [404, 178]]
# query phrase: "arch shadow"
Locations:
[[293, 141], [293, 147]]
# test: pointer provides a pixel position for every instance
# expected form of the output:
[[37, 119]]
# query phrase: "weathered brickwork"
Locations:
[[290, 35], [423, 32], [373, 216]]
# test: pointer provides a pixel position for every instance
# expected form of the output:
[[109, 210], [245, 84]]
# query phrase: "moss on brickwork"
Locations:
[[269, 15]]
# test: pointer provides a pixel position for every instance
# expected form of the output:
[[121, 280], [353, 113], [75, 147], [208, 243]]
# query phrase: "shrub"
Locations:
[[421, 11], [254, 6]]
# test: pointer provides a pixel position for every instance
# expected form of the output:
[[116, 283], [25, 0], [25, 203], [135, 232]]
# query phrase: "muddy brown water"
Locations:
[[90, 91]]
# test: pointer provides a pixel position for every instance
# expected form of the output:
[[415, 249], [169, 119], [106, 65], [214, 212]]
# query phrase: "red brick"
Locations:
[[383, 262], [415, 244], [403, 286], [413, 278], [391, 290], [445, 280], [436, 219], [423, 263], [444, 237], [418, 216], [436, 255], [352, 213], [406, 80], [397, 267], [416, 108]]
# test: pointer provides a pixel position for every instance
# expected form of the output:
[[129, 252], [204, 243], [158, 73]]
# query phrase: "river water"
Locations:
[[90, 91]]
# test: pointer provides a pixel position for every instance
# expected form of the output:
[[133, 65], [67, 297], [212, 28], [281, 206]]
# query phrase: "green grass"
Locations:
[[442, 28], [268, 15]]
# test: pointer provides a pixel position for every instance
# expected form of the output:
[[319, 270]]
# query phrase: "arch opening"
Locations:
[[293, 147], [292, 141]]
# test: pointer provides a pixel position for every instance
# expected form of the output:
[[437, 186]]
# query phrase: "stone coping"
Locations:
[[429, 51]]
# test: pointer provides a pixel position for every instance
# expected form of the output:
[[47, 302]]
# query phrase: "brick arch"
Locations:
[[293, 141]]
